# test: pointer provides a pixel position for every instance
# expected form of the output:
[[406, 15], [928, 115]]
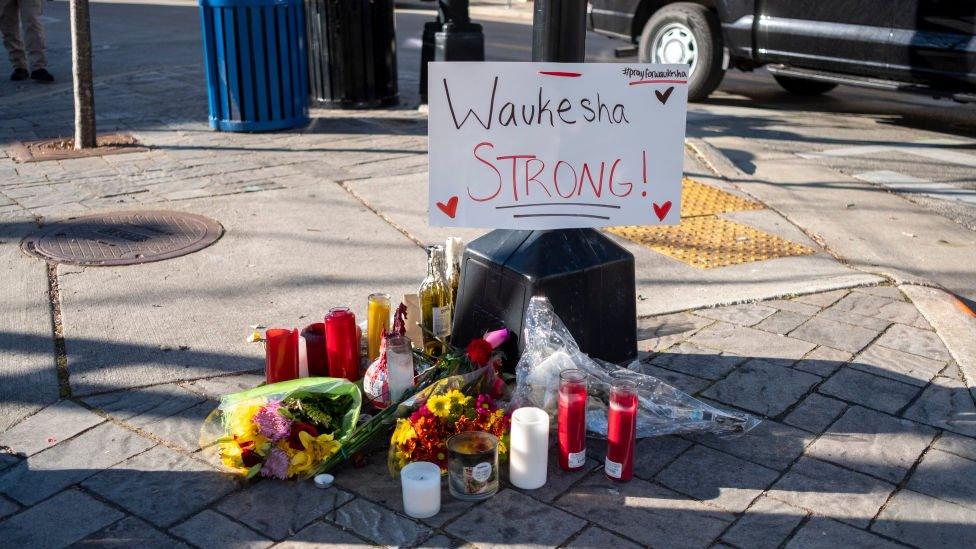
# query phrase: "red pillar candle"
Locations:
[[314, 335], [342, 344], [280, 355], [572, 420], [621, 430]]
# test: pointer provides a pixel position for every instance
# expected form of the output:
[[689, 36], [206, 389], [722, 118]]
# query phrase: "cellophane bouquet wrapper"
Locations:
[[662, 409], [303, 421]]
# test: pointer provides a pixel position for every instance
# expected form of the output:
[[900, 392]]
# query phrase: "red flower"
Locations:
[[249, 457], [299, 427], [479, 352]]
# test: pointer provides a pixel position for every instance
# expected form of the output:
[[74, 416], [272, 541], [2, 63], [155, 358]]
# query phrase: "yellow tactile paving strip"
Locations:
[[705, 241], [700, 199]]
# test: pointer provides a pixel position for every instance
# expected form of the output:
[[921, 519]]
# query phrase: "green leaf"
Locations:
[[253, 471]]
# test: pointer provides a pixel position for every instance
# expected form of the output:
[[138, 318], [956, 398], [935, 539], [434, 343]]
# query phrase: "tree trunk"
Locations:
[[81, 71]]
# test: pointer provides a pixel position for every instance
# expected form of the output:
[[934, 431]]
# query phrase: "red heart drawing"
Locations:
[[451, 207], [660, 211]]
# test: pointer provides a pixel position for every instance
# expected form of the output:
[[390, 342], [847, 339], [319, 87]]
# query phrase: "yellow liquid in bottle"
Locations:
[[435, 304], [377, 321]]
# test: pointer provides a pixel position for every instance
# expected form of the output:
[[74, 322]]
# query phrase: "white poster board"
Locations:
[[555, 145]]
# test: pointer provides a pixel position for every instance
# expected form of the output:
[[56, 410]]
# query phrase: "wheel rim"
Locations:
[[675, 44]]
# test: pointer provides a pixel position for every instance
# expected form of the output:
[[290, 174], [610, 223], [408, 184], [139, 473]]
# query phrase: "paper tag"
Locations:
[[576, 459], [442, 321], [481, 472], [614, 469]]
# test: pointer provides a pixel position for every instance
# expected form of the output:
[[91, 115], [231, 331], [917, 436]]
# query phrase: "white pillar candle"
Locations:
[[421, 482], [529, 457]]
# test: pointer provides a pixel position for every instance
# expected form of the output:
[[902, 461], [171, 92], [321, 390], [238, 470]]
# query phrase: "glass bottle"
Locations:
[[621, 430], [453, 252], [435, 303]]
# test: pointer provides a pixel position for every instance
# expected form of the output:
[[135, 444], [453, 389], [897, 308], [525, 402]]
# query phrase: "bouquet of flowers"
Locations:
[[473, 370], [423, 436], [283, 430]]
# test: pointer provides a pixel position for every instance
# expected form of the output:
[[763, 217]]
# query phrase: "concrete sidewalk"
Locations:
[[108, 373]]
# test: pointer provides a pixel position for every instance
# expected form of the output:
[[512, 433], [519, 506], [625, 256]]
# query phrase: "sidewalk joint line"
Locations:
[[57, 328]]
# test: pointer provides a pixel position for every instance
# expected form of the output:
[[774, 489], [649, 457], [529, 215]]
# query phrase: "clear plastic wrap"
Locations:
[[662, 409]]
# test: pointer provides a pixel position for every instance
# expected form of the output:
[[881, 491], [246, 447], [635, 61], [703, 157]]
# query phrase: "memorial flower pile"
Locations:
[[423, 436]]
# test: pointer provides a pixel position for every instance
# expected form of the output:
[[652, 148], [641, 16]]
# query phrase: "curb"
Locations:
[[954, 322]]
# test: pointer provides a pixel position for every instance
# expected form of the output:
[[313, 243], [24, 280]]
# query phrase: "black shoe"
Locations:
[[19, 74], [41, 75]]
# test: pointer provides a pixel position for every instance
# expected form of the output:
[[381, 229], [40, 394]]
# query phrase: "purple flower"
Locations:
[[485, 405], [272, 424], [276, 464]]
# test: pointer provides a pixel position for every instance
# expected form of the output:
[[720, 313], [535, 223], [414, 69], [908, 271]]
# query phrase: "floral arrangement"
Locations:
[[423, 437], [283, 430], [473, 370]]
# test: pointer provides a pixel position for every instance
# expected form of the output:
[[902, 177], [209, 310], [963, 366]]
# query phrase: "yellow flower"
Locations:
[[439, 405], [240, 418], [230, 454], [403, 432], [314, 451], [458, 399]]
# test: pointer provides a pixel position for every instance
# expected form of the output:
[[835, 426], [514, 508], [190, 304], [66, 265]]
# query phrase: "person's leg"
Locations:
[[30, 15], [10, 27]]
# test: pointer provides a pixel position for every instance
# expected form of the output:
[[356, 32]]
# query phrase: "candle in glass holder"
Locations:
[[280, 355], [421, 485], [314, 335], [572, 420], [528, 461], [342, 344], [472, 465], [399, 364], [621, 430], [377, 322]]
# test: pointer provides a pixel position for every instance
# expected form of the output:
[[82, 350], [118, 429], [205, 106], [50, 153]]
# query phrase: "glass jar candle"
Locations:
[[377, 322], [572, 420], [280, 355], [472, 465], [399, 364], [621, 430], [342, 344]]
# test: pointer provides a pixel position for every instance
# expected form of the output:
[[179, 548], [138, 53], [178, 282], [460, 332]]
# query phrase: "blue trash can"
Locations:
[[257, 74]]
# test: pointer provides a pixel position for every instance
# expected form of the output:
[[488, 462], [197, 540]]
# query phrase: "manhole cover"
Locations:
[[123, 238]]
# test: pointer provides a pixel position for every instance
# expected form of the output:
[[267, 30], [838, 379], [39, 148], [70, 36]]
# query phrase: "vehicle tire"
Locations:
[[686, 33], [802, 86]]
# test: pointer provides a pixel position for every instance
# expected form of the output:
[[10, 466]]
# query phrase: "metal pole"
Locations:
[[559, 31]]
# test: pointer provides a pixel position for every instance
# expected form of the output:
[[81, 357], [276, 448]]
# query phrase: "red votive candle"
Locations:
[[314, 335], [280, 355], [572, 420], [621, 430], [342, 344]]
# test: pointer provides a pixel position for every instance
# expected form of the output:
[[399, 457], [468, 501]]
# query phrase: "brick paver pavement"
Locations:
[[870, 445]]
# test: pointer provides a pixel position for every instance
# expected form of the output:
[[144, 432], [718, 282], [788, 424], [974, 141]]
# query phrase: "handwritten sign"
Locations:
[[556, 145]]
